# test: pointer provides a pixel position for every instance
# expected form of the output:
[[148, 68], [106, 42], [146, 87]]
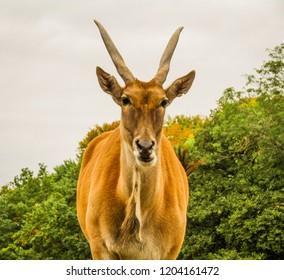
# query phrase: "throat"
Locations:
[[133, 222], [140, 187]]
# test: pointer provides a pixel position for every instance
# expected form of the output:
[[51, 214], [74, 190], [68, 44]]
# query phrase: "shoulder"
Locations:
[[101, 144], [166, 146], [169, 157]]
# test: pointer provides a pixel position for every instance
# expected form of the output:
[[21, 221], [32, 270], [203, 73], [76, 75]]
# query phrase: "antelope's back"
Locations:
[[100, 161], [175, 177]]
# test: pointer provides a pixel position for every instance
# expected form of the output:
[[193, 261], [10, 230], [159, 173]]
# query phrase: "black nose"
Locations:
[[145, 148]]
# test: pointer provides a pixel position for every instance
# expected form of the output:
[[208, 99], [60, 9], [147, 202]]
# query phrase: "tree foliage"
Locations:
[[236, 208], [38, 216]]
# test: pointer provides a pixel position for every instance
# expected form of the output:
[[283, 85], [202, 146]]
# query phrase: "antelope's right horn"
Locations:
[[117, 59]]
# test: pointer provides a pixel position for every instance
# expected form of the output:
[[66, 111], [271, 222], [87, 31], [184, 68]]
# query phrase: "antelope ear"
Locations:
[[180, 86], [109, 84]]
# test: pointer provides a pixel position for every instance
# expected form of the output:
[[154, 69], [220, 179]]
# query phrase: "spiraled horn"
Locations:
[[117, 59], [164, 66]]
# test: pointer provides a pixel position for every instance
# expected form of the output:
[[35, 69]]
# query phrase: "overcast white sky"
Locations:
[[49, 50]]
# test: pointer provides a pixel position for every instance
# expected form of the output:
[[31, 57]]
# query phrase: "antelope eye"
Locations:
[[164, 103], [125, 101]]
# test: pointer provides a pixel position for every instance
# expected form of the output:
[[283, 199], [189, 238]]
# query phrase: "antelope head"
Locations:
[[142, 103]]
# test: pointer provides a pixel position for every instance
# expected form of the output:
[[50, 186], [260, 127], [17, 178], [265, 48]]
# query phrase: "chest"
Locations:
[[134, 247]]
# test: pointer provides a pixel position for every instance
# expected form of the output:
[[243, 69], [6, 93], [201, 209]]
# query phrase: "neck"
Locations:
[[139, 189]]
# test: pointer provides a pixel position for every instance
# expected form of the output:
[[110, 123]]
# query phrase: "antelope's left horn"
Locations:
[[164, 66]]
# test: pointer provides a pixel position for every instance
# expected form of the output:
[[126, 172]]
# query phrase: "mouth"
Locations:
[[145, 159]]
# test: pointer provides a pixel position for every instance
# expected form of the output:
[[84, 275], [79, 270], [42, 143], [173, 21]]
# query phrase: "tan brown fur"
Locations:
[[132, 192]]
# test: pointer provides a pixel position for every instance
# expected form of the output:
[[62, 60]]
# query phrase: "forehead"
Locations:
[[142, 93]]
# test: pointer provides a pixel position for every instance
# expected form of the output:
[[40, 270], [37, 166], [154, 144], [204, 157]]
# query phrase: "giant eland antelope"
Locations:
[[132, 191]]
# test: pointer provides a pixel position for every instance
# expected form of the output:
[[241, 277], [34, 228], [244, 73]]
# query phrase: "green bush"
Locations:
[[236, 210]]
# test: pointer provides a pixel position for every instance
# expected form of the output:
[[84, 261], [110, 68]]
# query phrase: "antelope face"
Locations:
[[142, 103], [143, 109]]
